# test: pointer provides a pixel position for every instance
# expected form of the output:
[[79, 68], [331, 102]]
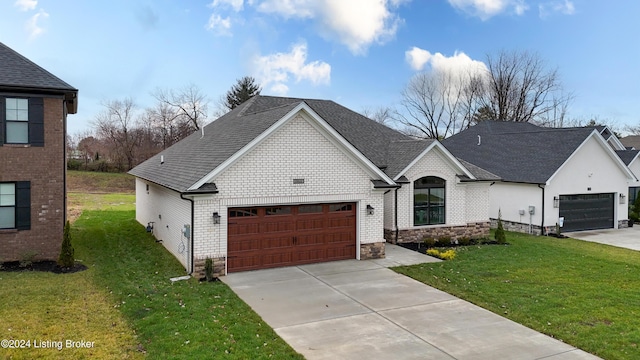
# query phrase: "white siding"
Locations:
[[635, 169], [169, 212], [510, 198], [264, 176], [465, 202], [590, 171]]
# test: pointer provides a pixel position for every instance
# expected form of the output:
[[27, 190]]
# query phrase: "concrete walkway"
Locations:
[[362, 310], [628, 238]]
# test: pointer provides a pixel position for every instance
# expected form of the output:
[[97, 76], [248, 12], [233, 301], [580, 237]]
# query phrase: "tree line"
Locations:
[[124, 135], [511, 86]]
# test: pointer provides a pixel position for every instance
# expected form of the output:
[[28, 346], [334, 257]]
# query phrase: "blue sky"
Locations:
[[356, 52]]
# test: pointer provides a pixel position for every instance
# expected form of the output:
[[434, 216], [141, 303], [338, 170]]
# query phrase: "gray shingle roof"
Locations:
[[195, 156], [631, 141], [517, 152], [627, 156], [17, 73]]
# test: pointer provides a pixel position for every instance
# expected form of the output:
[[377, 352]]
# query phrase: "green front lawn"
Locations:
[[126, 304], [585, 294]]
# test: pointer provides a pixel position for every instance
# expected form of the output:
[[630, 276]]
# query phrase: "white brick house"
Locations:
[[282, 181]]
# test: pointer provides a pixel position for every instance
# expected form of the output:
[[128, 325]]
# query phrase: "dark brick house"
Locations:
[[33, 110]]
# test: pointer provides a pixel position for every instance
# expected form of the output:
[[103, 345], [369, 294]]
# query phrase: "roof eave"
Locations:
[[70, 94]]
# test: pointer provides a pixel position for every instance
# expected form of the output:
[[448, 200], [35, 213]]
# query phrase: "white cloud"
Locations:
[[355, 23], [565, 7], [417, 57], [32, 25], [26, 5], [274, 70], [485, 9], [236, 5], [219, 25], [458, 63]]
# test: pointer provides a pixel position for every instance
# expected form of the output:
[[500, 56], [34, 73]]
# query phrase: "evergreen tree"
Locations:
[[243, 90], [66, 258], [500, 236]]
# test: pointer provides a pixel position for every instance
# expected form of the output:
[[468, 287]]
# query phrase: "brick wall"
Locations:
[[44, 167]]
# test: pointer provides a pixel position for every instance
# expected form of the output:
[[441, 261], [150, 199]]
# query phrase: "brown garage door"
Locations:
[[267, 237]]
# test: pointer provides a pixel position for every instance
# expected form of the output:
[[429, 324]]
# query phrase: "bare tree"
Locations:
[[521, 88], [380, 114], [117, 124], [189, 104], [439, 103]]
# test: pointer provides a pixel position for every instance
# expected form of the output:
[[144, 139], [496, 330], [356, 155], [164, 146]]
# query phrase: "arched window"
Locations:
[[428, 201]]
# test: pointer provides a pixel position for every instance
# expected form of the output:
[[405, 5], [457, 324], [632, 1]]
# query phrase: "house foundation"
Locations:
[[471, 230], [372, 251]]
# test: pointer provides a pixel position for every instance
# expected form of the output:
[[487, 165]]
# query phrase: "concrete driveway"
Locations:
[[628, 238], [362, 310]]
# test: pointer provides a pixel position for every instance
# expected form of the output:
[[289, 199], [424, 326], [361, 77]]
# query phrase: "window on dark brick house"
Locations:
[[15, 205], [22, 121]]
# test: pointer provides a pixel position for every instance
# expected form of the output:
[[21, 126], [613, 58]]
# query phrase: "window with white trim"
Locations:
[[7, 205], [17, 121]]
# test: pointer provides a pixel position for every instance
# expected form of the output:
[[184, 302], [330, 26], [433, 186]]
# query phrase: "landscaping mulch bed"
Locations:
[[45, 266], [421, 247]]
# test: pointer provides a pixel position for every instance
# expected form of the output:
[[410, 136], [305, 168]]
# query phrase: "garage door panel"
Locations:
[[241, 228], [277, 226], [265, 237], [276, 242]]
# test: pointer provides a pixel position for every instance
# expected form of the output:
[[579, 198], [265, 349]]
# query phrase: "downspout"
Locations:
[[64, 161], [542, 221], [395, 214], [190, 270]]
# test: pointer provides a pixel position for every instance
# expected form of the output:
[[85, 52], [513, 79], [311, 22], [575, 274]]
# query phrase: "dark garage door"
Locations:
[[274, 236], [586, 211]]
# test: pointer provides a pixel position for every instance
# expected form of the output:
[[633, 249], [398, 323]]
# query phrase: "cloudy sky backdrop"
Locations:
[[359, 53]]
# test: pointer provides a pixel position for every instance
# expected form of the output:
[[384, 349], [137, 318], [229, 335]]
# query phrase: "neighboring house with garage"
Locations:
[[33, 109], [284, 181], [547, 174]]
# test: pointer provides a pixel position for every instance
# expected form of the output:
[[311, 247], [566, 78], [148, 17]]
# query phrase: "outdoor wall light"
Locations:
[[370, 209], [622, 197], [556, 202], [216, 218]]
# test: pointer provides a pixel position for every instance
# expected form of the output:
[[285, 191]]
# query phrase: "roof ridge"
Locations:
[[269, 109]]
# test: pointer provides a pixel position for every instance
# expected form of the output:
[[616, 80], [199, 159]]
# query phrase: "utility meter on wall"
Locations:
[[532, 210]]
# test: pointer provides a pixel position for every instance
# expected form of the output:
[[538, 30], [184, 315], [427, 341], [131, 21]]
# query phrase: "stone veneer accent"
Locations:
[[218, 267], [623, 224], [471, 230], [520, 227], [372, 251]]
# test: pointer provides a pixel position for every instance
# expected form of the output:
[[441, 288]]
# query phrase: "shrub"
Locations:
[[73, 164], [500, 236], [444, 255], [464, 241], [66, 258], [429, 242], [26, 258], [445, 240], [208, 269]]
